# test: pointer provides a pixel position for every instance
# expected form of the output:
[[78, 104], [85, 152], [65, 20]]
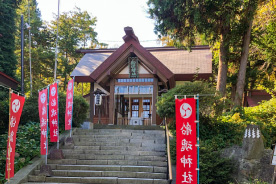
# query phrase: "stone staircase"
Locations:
[[119, 156]]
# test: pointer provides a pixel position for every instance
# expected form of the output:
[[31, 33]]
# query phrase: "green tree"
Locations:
[[76, 30], [262, 60], [247, 17], [209, 105], [42, 42], [7, 32], [182, 20]]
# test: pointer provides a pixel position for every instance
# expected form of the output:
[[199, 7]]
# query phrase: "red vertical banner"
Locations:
[[53, 112], [186, 150], [43, 116], [16, 106], [69, 105]]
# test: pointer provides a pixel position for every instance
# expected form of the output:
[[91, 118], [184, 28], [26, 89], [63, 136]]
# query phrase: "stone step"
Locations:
[[120, 132], [142, 144], [112, 152], [114, 157], [111, 137], [120, 174], [108, 162], [129, 168], [126, 127], [118, 148], [45, 183], [109, 180], [110, 143], [118, 140], [140, 147]]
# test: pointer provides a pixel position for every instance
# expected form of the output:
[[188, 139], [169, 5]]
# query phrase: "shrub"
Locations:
[[30, 111], [208, 104], [213, 168], [27, 146], [262, 115], [214, 135], [80, 110]]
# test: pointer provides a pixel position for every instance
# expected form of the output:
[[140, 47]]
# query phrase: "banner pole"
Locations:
[[48, 91], [57, 118], [9, 153], [72, 107], [198, 138]]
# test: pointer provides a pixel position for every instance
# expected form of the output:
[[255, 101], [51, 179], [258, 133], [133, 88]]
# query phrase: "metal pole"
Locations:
[[22, 54], [9, 153], [197, 138], [48, 91], [56, 52], [30, 55], [57, 118]]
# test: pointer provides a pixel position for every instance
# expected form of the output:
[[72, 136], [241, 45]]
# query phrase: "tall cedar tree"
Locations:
[[182, 19], [247, 21], [42, 43], [7, 32]]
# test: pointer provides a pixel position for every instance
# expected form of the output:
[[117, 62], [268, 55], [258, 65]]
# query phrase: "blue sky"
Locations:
[[112, 16]]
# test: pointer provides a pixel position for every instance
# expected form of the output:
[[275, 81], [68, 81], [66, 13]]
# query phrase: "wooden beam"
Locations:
[[92, 101], [111, 101], [154, 100]]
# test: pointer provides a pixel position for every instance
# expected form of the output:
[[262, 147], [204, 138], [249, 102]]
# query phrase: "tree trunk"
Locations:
[[243, 63], [223, 65]]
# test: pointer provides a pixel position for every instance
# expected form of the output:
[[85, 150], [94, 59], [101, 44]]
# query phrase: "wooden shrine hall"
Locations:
[[126, 82]]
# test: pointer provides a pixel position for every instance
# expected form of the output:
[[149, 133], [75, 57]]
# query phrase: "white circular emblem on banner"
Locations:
[[43, 98], [70, 86], [15, 105], [53, 91], [185, 110]]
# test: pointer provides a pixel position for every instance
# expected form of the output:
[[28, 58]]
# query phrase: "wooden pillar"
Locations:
[[92, 101], [111, 101], [154, 100]]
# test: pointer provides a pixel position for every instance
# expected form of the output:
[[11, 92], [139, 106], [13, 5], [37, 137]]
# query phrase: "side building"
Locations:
[[131, 77]]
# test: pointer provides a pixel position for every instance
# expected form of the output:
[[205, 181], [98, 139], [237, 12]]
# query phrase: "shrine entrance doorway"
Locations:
[[133, 105]]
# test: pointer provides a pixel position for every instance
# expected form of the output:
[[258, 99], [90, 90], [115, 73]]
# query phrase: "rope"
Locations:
[[13, 90]]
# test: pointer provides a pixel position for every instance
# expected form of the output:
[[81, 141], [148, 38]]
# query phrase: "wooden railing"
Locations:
[[169, 177]]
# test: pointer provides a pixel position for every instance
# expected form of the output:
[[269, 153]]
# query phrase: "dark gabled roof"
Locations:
[[8, 81], [131, 45], [169, 63]]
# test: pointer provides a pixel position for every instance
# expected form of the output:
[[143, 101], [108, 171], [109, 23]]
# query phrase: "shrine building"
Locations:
[[131, 77]]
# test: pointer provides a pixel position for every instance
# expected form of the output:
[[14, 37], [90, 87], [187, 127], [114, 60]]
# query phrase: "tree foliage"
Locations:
[[227, 22], [76, 30], [7, 32], [209, 104]]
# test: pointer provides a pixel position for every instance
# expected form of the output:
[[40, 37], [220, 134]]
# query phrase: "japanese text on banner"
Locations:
[[186, 150], [69, 105], [43, 116], [16, 107], [53, 112]]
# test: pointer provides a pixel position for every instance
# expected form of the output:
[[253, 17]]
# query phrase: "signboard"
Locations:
[[43, 116], [16, 107], [98, 99], [69, 105], [186, 150], [53, 112], [133, 67]]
